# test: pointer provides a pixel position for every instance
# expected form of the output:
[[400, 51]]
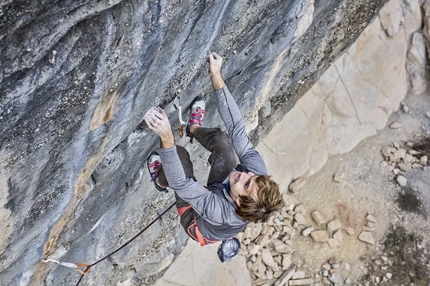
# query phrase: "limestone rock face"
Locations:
[[76, 79], [353, 98]]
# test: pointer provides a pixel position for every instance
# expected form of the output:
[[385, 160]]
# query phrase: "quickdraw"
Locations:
[[75, 266]]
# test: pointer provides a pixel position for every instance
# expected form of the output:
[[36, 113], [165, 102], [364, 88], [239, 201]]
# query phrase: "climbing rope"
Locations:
[[86, 267]]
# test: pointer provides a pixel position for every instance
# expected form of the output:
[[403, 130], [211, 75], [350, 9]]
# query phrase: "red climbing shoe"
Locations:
[[197, 112], [154, 165]]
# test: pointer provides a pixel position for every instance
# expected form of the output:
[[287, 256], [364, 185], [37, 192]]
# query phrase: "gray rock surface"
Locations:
[[76, 79]]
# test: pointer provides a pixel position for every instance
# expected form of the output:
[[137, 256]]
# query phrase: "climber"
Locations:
[[235, 194]]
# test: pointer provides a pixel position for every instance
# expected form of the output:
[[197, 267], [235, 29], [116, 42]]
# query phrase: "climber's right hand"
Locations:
[[157, 121]]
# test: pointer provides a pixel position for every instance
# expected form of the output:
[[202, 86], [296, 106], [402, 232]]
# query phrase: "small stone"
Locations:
[[423, 160], [299, 275], [408, 158], [333, 243], [395, 125], [349, 230], [318, 218], [409, 144], [396, 171], [269, 274], [320, 235], [396, 144], [300, 219], [307, 231], [370, 224], [281, 247], [377, 279], [283, 280], [334, 225], [347, 266], [254, 249], [387, 151], [326, 266], [307, 281], [370, 218], [267, 257], [325, 281], [399, 154], [335, 278], [289, 201], [325, 273], [338, 177], [401, 180], [405, 109], [348, 281], [335, 265], [405, 166], [338, 236], [417, 166], [332, 261], [300, 209], [286, 262], [388, 275], [297, 185], [428, 114], [367, 237], [368, 228]]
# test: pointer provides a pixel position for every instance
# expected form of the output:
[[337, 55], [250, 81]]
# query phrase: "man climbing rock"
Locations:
[[235, 194]]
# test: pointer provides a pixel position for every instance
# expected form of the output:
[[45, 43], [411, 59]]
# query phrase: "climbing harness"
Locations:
[[87, 267], [178, 107]]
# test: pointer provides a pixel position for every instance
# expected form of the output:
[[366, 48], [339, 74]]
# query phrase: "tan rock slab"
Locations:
[[318, 217], [367, 237], [307, 231], [307, 281], [320, 235], [401, 180], [300, 219], [283, 280], [333, 243], [370, 218], [299, 275], [395, 125], [286, 261], [334, 225], [281, 247], [267, 257], [338, 236], [349, 230], [295, 186]]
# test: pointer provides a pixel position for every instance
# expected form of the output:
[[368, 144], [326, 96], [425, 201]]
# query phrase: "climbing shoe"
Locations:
[[197, 112], [154, 165]]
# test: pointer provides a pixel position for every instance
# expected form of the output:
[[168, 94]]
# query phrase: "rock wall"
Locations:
[[76, 79], [354, 97]]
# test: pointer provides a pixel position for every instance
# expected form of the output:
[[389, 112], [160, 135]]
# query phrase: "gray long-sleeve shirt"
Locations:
[[217, 219]]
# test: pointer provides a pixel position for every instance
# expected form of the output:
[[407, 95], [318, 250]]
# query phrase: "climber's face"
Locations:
[[243, 184]]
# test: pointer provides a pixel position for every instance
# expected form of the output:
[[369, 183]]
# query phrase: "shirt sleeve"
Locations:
[[208, 205], [235, 125]]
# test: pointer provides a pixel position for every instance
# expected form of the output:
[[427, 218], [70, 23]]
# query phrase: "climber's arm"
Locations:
[[233, 119]]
